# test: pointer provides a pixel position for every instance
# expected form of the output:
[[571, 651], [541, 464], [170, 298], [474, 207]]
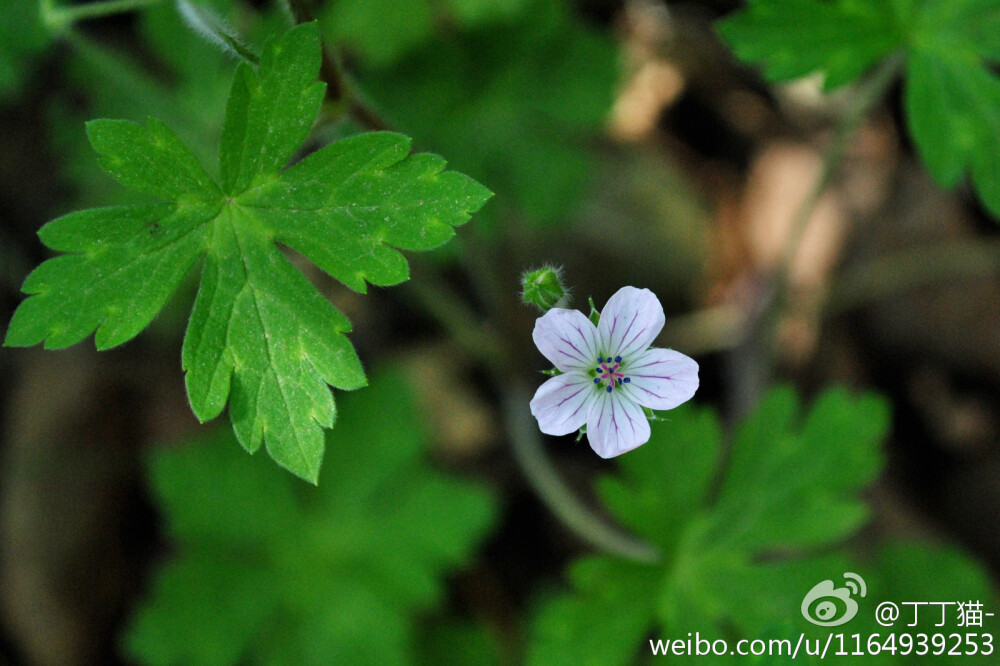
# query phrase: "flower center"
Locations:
[[609, 373]]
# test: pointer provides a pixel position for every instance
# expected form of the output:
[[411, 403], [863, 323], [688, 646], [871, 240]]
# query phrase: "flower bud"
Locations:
[[544, 288]]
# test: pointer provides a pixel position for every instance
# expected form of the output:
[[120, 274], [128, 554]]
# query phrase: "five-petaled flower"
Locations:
[[609, 372]]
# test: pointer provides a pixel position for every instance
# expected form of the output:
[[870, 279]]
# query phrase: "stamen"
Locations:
[[628, 380], [609, 373]]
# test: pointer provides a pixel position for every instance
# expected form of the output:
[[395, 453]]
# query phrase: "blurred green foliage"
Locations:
[[516, 104], [22, 36], [382, 31], [267, 570], [952, 49], [744, 534]]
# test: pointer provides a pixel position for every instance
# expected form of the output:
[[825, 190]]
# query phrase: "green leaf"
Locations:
[[952, 95], [738, 553], [952, 92], [793, 38], [937, 577], [604, 623], [125, 263], [642, 498], [260, 336], [794, 486], [455, 642], [911, 572], [151, 160], [270, 110], [269, 571]]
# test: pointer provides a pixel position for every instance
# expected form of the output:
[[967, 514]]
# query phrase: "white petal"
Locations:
[[629, 322], [661, 378], [616, 425], [567, 338], [562, 404]]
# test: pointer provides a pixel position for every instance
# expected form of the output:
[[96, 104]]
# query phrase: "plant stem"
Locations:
[[58, 18], [865, 97], [752, 361], [450, 312], [204, 23], [554, 492]]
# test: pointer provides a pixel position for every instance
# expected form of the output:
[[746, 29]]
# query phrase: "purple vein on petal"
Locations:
[[570, 397], [581, 356], [626, 345], [634, 367], [646, 390]]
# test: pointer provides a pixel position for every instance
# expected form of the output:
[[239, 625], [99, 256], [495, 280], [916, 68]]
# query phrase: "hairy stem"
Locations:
[[210, 27]]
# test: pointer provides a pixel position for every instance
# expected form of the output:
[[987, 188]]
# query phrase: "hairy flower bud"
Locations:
[[544, 288]]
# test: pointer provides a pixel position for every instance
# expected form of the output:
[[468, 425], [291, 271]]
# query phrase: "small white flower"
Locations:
[[609, 372]]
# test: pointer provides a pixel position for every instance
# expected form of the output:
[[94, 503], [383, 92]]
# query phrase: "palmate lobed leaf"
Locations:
[[952, 91], [743, 536], [793, 38], [788, 486], [260, 336], [266, 570], [952, 99]]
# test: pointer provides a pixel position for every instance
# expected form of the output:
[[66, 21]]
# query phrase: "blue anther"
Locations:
[[619, 382], [600, 359], [618, 359], [597, 380], [609, 389], [627, 380], [598, 370]]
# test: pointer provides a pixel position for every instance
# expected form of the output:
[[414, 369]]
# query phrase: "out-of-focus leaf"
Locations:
[[736, 555], [793, 38], [267, 570], [22, 36], [383, 31], [456, 642], [740, 553], [952, 94], [512, 104]]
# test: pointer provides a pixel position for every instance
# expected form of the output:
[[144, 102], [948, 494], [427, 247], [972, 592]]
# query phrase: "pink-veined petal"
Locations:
[[661, 378], [562, 403], [616, 425], [629, 322], [567, 338]]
